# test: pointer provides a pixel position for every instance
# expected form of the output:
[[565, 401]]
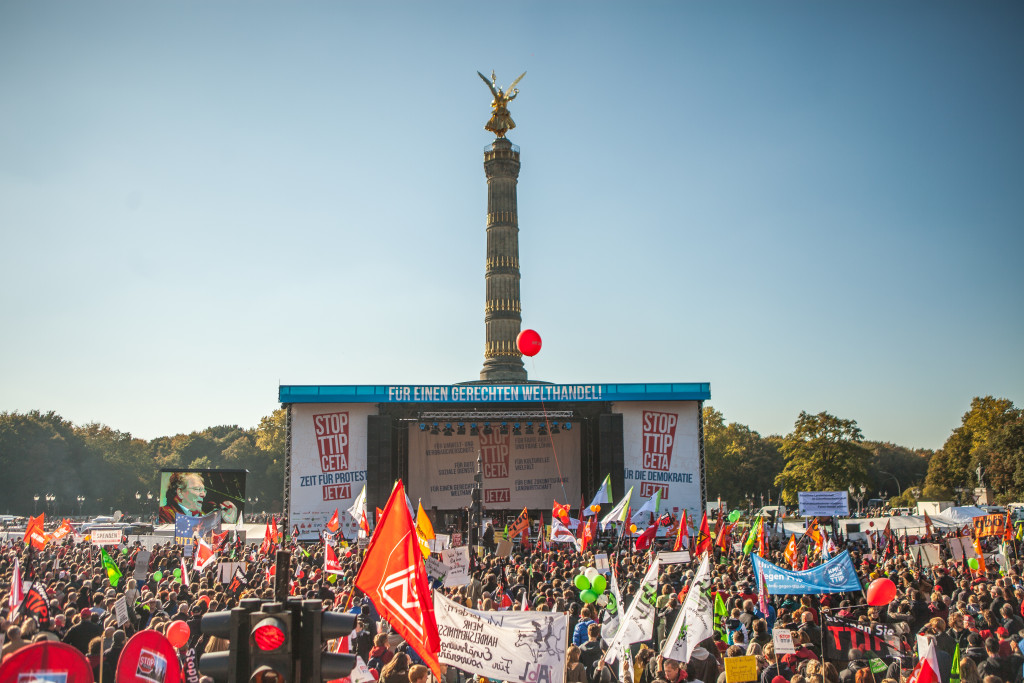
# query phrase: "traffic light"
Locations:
[[317, 628], [271, 643], [231, 625]]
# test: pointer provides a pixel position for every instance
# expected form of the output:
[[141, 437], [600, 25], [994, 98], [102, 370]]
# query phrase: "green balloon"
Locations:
[[612, 605], [158, 575], [972, 562], [582, 582], [599, 583], [588, 596], [177, 573], [734, 515]]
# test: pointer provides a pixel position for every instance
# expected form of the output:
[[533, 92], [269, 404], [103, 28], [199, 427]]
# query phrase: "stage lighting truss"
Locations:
[[516, 422]]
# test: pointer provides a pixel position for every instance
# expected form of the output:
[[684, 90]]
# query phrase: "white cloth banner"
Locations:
[[695, 620], [823, 503], [523, 647], [638, 622]]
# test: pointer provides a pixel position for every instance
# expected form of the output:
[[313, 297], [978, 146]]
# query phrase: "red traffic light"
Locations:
[[270, 634]]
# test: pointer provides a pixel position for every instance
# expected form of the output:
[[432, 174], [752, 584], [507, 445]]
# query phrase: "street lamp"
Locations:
[[138, 499], [49, 502], [899, 490], [858, 495], [35, 506], [81, 502]]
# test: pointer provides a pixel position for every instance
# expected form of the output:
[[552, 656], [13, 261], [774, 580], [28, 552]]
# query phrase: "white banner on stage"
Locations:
[[522, 647], [823, 503], [328, 464], [662, 453], [518, 469]]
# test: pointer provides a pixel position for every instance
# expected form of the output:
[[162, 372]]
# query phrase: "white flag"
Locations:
[[358, 510], [637, 624], [603, 496], [695, 620], [653, 505], [618, 513]]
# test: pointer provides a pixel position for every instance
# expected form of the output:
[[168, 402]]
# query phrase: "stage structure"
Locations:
[[533, 442], [536, 443]]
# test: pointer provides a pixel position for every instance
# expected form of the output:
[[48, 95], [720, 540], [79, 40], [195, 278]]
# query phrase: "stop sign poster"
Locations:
[[148, 657], [328, 464], [661, 452], [46, 662]]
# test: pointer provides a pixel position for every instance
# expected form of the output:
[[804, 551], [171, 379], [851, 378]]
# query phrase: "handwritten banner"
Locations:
[[522, 647]]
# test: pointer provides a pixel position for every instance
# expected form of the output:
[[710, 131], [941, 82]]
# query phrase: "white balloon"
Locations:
[[591, 574], [602, 600]]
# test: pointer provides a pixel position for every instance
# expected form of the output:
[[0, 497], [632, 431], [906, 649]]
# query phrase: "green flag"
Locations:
[[721, 613], [752, 536], [954, 673], [113, 573]]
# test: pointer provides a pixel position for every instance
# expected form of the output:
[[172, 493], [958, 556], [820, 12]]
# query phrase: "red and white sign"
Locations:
[[662, 453], [328, 443]]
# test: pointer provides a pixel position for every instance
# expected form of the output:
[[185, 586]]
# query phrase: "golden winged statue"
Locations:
[[500, 122]]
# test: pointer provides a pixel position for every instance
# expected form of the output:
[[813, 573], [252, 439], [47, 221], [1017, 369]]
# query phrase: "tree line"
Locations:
[[44, 454], [828, 453]]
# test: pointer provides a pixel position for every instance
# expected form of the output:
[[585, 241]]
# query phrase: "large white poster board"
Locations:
[[524, 470], [328, 464], [661, 450]]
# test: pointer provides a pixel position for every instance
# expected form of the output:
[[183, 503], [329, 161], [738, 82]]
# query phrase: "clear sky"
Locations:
[[811, 205]]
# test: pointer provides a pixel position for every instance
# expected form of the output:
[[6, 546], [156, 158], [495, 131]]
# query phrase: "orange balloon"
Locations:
[[632, 528]]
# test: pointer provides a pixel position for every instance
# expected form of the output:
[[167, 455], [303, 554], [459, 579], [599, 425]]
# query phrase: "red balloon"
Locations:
[[881, 592], [528, 342], [178, 633]]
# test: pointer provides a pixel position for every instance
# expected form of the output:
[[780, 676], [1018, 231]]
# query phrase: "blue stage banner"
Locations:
[[838, 575]]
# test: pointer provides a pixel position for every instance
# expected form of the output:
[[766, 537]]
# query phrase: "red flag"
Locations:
[[681, 532], [720, 519], [205, 555], [927, 669], [34, 533], [927, 523], [184, 573], [219, 541], [806, 565], [587, 534], [364, 524], [268, 541], [644, 540], [1007, 527], [63, 530], [558, 510], [331, 565], [724, 537], [762, 543], [333, 525], [393, 577], [703, 541]]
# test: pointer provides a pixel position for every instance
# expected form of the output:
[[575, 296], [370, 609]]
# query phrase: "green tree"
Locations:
[[737, 460], [822, 453], [968, 447]]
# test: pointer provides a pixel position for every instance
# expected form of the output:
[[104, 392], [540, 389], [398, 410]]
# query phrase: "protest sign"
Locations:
[[740, 669], [436, 569], [504, 548], [678, 557], [783, 640], [141, 565], [959, 546], [439, 542], [226, 571], [106, 535], [121, 610], [927, 554], [521, 647], [457, 562], [601, 562]]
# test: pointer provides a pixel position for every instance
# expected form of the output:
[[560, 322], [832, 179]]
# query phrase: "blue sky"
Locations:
[[814, 206]]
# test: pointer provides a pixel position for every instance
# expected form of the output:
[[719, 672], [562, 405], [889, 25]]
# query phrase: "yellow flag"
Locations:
[[424, 530]]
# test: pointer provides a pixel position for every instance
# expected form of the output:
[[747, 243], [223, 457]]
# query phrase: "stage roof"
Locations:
[[493, 393]]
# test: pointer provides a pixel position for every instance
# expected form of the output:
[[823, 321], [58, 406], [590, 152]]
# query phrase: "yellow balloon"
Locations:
[[632, 528]]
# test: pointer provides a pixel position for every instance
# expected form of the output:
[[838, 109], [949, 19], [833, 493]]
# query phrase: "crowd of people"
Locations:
[[974, 617]]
